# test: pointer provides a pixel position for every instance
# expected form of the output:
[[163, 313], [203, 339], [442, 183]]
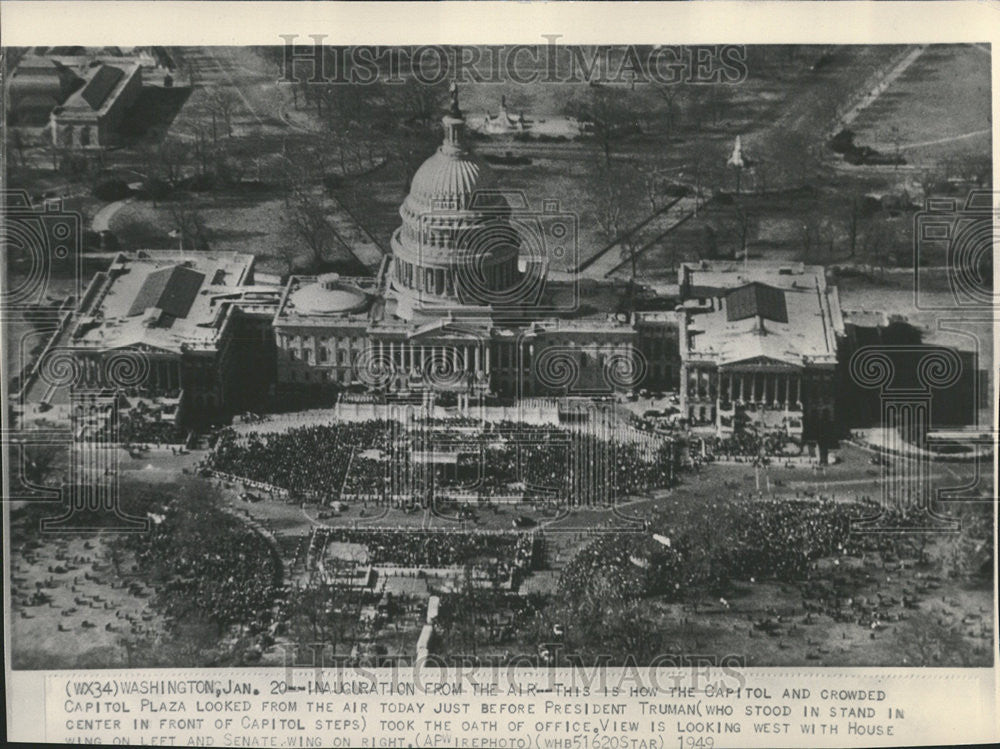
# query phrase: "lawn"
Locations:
[[944, 94]]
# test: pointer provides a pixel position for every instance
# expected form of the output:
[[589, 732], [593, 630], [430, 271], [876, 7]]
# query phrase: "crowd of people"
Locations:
[[205, 563], [311, 460], [384, 461], [144, 426], [705, 551], [753, 446], [407, 548]]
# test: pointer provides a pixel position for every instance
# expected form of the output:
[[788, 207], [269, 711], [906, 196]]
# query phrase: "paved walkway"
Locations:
[[611, 260], [102, 219], [873, 94], [354, 236]]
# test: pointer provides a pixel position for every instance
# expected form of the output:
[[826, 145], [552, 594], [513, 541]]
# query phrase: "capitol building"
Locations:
[[465, 304], [465, 309]]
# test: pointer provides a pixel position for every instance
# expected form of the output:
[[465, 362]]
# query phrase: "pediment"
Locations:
[[763, 363]]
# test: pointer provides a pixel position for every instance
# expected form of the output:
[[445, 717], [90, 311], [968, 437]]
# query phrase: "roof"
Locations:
[[170, 289], [795, 325], [100, 86], [327, 300], [163, 300], [756, 300]]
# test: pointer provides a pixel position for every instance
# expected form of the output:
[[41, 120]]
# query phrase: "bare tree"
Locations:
[[222, 104], [18, 143], [608, 115], [167, 161], [817, 236], [876, 240], [617, 200], [307, 219], [192, 231], [671, 95], [739, 226], [851, 215], [39, 461]]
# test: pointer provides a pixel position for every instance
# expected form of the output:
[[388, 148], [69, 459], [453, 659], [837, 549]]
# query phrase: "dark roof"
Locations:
[[100, 86], [170, 289], [756, 299]]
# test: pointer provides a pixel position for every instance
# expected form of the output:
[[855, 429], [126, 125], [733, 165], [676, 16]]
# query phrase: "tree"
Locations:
[[39, 461], [739, 225], [221, 104], [617, 198], [407, 120], [671, 96], [323, 614], [818, 237], [876, 239], [704, 168], [192, 231], [852, 214], [307, 219], [166, 161], [18, 143], [932, 180], [654, 179], [607, 114]]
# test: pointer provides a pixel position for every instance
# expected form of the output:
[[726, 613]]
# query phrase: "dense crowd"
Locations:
[[699, 552], [472, 617], [138, 425], [752, 445], [406, 548], [205, 563], [380, 461], [307, 460]]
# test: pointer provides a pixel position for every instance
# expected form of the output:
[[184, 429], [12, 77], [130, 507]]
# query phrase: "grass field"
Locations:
[[943, 96]]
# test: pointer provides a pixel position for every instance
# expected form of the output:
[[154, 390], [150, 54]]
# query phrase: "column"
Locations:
[[487, 347], [477, 359], [454, 358], [423, 358]]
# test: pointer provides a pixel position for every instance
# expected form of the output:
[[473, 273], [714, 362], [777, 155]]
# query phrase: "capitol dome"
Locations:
[[449, 178], [455, 244]]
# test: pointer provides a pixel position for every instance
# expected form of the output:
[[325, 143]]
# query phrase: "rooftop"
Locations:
[[101, 88], [162, 299], [327, 299], [762, 312], [711, 277]]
